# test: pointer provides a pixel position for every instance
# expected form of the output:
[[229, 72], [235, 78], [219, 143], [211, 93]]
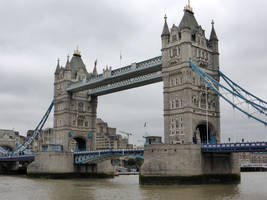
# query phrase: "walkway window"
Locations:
[[80, 107]]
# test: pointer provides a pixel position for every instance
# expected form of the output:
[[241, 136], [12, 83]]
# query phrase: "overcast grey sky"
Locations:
[[35, 33]]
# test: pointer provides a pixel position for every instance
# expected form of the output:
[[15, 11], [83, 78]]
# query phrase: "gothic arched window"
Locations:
[[80, 107]]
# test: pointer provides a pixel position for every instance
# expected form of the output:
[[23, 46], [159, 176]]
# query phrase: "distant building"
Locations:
[[10, 138], [106, 137], [253, 157], [46, 137]]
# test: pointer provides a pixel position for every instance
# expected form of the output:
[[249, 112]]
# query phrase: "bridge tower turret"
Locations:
[[74, 114], [213, 44], [191, 110], [165, 36]]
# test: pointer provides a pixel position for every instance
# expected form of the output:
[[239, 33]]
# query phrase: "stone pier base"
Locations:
[[11, 167], [61, 165], [186, 164]]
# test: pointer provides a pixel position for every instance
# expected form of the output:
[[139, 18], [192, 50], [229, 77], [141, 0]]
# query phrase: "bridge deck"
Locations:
[[85, 156], [17, 158], [235, 147]]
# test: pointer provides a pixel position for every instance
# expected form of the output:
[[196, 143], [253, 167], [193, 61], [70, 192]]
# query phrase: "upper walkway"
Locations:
[[134, 75]]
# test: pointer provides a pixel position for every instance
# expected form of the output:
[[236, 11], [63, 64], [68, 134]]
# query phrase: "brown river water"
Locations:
[[253, 186]]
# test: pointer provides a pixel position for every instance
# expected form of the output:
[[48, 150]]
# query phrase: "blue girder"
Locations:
[[21, 148], [17, 158], [87, 156], [235, 147], [208, 80], [238, 86]]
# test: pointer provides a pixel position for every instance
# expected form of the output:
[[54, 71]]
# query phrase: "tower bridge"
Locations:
[[192, 149]]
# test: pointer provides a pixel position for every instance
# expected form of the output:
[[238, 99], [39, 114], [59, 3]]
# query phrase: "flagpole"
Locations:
[[120, 59]]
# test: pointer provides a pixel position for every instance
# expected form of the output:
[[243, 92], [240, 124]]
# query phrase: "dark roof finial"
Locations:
[[58, 67], [68, 63], [95, 70]]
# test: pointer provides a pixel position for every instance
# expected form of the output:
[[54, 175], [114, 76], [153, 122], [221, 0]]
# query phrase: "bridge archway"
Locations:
[[80, 144], [203, 135]]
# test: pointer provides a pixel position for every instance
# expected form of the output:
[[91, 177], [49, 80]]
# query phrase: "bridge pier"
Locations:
[[10, 167], [61, 165], [186, 164]]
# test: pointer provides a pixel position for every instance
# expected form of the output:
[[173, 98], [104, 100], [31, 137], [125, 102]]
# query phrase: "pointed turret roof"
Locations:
[[165, 31], [95, 70], [188, 20], [76, 63], [58, 67], [68, 63], [213, 35]]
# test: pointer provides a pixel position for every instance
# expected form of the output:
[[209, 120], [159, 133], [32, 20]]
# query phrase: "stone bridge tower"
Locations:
[[74, 114], [190, 109]]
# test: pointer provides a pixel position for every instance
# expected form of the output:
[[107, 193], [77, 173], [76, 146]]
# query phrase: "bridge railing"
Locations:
[[88, 156], [235, 147], [17, 157]]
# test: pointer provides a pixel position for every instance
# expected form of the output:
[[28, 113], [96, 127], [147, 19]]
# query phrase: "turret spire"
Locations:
[[68, 63], [58, 67], [213, 35], [95, 70], [165, 31]]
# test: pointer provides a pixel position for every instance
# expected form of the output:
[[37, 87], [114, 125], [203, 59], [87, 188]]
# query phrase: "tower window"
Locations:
[[174, 52], [174, 38], [180, 35], [80, 107], [177, 103], [80, 122], [193, 37]]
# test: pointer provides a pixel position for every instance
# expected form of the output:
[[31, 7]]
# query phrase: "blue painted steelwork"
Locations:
[[21, 148], [17, 158], [235, 147], [3, 151], [125, 73], [126, 84], [70, 134], [235, 87], [36, 132], [238, 86], [87, 156], [52, 148], [213, 84]]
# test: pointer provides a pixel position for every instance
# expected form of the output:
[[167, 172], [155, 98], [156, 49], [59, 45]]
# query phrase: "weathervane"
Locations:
[[188, 7]]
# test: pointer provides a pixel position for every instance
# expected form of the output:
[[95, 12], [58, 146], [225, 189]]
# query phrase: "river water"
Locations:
[[252, 187]]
